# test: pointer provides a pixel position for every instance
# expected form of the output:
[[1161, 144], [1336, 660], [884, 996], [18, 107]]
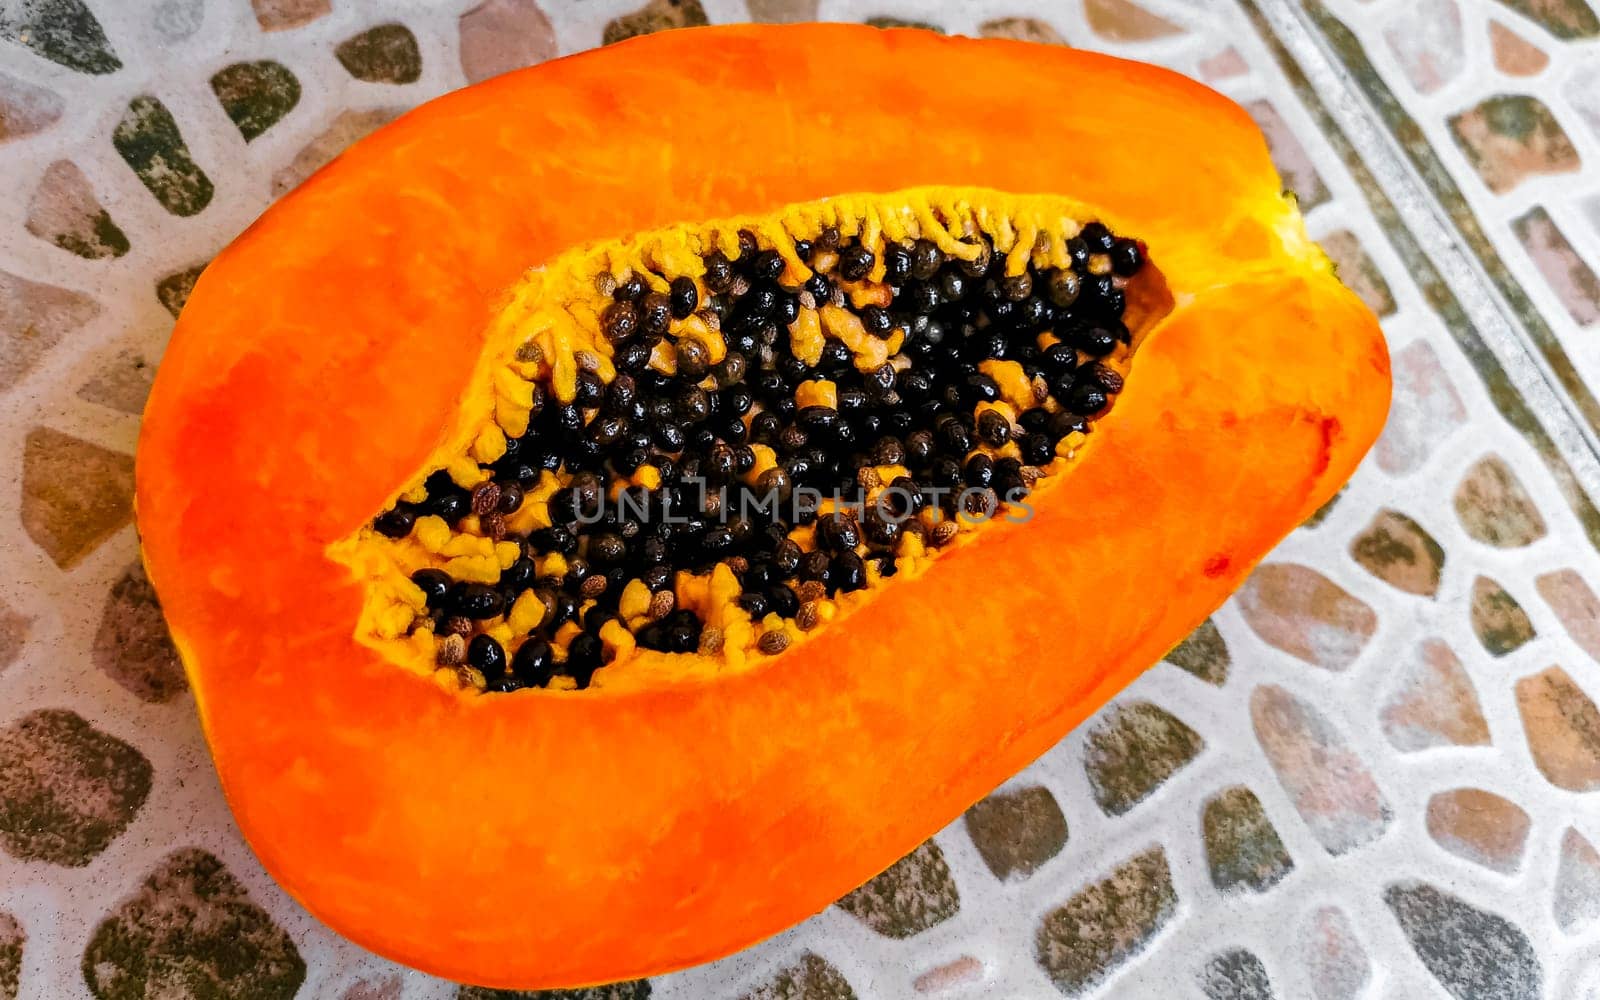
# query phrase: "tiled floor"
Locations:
[[1374, 773]]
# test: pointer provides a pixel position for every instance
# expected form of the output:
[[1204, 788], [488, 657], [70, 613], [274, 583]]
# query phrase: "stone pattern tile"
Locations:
[[1562, 726], [1018, 831], [63, 31], [1335, 961], [26, 108], [1401, 553], [1126, 21], [1294, 162], [1325, 778], [1577, 902], [1515, 99], [1471, 952], [783, 11], [1480, 826], [1434, 617], [951, 975], [172, 290], [65, 211], [1569, 276], [344, 130], [1571, 598], [1304, 613], [121, 382], [280, 15], [1022, 29], [132, 646], [498, 36], [1495, 508], [75, 494], [1433, 703], [1243, 849], [150, 142], [1132, 750], [914, 894], [256, 95], [34, 318], [1426, 40], [190, 929], [1509, 138], [1107, 922], [1498, 620], [382, 988], [14, 629], [1235, 975], [656, 15], [1425, 410], [385, 54], [1513, 54], [12, 940], [1358, 271], [67, 789], [1204, 654], [810, 978]]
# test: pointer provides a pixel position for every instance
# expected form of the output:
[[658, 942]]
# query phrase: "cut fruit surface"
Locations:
[[600, 532], [715, 439]]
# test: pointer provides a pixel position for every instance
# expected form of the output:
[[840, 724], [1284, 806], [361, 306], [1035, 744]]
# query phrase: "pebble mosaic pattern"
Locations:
[[191, 929], [1372, 773]]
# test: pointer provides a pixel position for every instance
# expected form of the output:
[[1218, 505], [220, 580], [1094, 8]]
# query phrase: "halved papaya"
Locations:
[[616, 509]]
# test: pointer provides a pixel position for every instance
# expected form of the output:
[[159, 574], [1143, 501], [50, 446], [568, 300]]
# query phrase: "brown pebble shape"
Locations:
[[1132, 750], [1497, 619], [810, 978], [1494, 508], [1562, 726], [1017, 831], [387, 53], [498, 36], [915, 893], [1243, 848], [34, 317], [14, 629], [1126, 21], [1204, 654], [191, 930], [1434, 703], [132, 645], [1106, 923], [1324, 777], [67, 789], [1478, 825], [121, 382], [1400, 552], [75, 495], [12, 940], [783, 11], [657, 15], [66, 212], [1305, 614], [26, 109], [1511, 137]]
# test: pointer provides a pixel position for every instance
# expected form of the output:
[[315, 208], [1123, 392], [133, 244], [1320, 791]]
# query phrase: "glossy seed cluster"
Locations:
[[794, 438]]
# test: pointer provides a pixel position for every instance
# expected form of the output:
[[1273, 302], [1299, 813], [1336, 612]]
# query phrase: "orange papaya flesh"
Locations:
[[378, 339]]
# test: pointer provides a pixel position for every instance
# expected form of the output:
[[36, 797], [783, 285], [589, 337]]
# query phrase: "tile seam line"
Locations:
[[1429, 223]]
